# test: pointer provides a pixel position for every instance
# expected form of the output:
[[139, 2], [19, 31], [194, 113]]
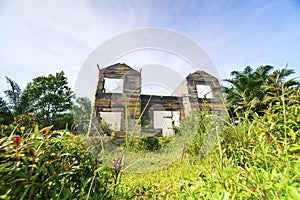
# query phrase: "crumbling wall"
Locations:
[[127, 102], [132, 104]]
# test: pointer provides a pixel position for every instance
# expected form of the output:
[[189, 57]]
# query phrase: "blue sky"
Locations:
[[42, 37]]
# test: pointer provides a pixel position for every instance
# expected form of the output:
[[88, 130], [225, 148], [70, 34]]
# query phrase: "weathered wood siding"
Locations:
[[127, 102], [151, 103], [132, 103]]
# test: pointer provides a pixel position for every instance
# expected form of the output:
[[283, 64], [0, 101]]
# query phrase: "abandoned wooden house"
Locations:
[[127, 110]]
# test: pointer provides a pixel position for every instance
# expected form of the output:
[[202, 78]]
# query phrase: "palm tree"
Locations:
[[253, 90], [278, 84], [17, 100], [246, 90], [279, 76]]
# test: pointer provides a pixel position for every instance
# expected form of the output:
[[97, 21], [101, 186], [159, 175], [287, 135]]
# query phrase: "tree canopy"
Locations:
[[5, 114], [46, 100], [49, 97], [17, 99], [249, 88]]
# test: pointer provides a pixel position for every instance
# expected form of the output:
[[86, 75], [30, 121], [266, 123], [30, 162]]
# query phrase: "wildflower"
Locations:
[[22, 129], [118, 163], [18, 140]]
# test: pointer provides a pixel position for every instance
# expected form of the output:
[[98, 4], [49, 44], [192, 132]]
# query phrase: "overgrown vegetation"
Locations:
[[250, 88], [51, 165], [255, 157]]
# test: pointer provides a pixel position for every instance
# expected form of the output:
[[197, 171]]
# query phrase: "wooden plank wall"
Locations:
[[126, 102], [135, 102]]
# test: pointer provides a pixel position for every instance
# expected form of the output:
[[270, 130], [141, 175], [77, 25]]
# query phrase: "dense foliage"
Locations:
[[5, 114], [249, 88], [46, 100], [49, 97], [257, 156], [50, 165]]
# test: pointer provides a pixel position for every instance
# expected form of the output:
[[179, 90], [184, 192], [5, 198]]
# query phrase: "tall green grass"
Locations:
[[256, 158]]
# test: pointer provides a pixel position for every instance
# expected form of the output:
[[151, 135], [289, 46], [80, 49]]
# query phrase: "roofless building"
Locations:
[[127, 110]]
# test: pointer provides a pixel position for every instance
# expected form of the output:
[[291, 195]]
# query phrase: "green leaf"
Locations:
[[293, 192], [36, 129], [294, 148]]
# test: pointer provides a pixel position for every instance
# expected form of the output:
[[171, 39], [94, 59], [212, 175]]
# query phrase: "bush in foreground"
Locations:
[[50, 165]]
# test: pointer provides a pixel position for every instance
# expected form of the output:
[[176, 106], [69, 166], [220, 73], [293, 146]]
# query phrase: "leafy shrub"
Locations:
[[147, 144], [106, 128], [64, 121], [50, 165]]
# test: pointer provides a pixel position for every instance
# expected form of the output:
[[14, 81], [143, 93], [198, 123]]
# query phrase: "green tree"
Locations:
[[5, 115], [277, 80], [246, 89], [17, 99], [250, 89], [50, 97], [279, 86], [65, 121]]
